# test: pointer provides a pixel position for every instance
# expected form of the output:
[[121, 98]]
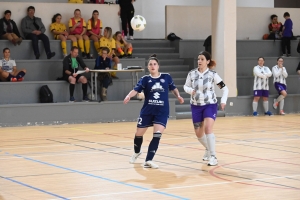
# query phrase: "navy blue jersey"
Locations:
[[156, 92]]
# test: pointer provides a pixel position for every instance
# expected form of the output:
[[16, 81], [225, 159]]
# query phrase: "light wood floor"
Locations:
[[259, 158]]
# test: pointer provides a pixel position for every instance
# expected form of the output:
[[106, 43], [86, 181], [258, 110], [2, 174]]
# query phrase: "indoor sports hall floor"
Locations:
[[259, 158]]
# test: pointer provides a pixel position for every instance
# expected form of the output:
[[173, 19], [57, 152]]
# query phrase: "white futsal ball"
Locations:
[[140, 96], [138, 23]]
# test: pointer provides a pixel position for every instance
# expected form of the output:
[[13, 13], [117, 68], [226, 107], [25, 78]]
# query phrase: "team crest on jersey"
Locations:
[[157, 88], [162, 80]]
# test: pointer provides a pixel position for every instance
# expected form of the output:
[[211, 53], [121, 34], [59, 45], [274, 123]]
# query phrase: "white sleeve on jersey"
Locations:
[[13, 62], [217, 80], [1, 63], [188, 85], [284, 73], [257, 72], [276, 72], [269, 73]]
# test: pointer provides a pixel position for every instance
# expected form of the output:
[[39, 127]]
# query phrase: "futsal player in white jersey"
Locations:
[[200, 85], [155, 111], [8, 68], [261, 86], [280, 74]]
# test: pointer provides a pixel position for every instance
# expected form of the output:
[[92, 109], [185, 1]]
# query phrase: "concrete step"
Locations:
[[245, 64], [159, 55], [179, 81], [149, 43], [177, 74], [172, 68], [47, 70], [154, 50], [169, 62]]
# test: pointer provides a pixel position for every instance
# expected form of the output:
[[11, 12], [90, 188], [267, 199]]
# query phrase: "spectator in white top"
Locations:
[[200, 85], [8, 68], [261, 86], [280, 74]]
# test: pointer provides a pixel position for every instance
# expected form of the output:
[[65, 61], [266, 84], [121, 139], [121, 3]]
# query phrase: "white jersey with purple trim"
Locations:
[[156, 90], [203, 85], [7, 65], [279, 74], [261, 77]]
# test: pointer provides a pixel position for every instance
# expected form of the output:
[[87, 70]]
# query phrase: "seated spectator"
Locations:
[[8, 68], [34, 29], [123, 48], [94, 29], [275, 28], [110, 43], [60, 33], [103, 62], [77, 27], [71, 64], [9, 29]]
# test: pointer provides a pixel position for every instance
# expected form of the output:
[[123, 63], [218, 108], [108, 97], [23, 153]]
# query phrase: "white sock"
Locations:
[[281, 104], [203, 141], [280, 98], [254, 105], [266, 106], [211, 143]]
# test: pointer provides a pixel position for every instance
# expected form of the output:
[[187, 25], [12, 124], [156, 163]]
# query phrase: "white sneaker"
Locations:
[[125, 37], [275, 104], [134, 157], [150, 164], [212, 161], [206, 155], [131, 37]]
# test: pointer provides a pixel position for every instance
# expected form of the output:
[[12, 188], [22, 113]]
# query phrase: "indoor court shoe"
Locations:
[[254, 114], [20, 79], [150, 164], [50, 55], [212, 161], [275, 104], [268, 113], [134, 157], [130, 37], [206, 155], [72, 99], [14, 79], [281, 112], [37, 56], [86, 99]]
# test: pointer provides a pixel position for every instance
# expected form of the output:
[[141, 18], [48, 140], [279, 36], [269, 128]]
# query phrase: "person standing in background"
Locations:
[[126, 13], [287, 35]]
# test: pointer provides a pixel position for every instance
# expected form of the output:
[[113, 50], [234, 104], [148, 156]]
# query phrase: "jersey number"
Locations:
[[140, 121]]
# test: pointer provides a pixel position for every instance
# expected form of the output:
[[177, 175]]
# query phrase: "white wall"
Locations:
[[251, 22], [154, 13], [47, 10]]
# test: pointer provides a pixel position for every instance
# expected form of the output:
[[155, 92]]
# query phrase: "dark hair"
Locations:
[[286, 14], [54, 17], [30, 7], [105, 49], [261, 57], [207, 55], [280, 58], [76, 10], [153, 57], [7, 11], [273, 16], [5, 49], [73, 48], [92, 19], [115, 37]]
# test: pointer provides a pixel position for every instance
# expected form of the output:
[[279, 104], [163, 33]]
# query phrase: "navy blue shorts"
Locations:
[[145, 121], [206, 111], [279, 87]]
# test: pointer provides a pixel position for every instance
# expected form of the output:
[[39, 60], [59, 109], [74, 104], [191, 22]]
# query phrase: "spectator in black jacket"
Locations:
[[71, 64], [9, 29]]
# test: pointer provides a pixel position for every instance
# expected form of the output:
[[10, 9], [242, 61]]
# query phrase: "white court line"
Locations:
[[181, 187]]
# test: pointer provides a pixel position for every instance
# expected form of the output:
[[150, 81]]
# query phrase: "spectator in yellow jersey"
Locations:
[[110, 43], [123, 48], [77, 28], [94, 29], [59, 31]]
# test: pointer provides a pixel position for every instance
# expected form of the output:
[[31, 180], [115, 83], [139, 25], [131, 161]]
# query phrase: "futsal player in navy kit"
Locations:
[[155, 111]]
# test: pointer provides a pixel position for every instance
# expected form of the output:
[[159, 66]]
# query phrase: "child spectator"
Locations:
[[104, 63], [34, 29], [287, 35], [123, 48], [77, 28], [275, 28], [95, 29], [9, 29], [110, 43], [8, 68]]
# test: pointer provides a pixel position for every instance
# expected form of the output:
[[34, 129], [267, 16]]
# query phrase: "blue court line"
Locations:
[[38, 189], [101, 177]]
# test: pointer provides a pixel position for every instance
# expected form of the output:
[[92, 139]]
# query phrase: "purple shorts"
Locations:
[[261, 93], [279, 87], [206, 111]]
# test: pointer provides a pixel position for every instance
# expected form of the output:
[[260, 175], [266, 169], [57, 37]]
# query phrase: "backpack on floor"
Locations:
[[46, 95]]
